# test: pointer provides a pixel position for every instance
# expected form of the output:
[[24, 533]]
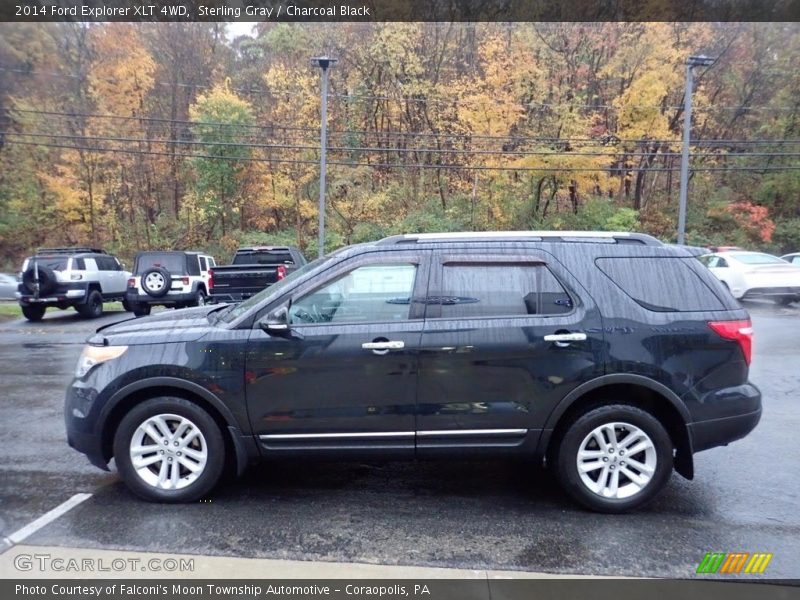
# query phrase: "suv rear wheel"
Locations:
[[93, 307], [614, 458], [199, 298], [34, 312], [168, 449], [141, 310]]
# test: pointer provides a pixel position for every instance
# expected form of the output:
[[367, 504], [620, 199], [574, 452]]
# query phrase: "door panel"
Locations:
[[323, 390], [487, 375]]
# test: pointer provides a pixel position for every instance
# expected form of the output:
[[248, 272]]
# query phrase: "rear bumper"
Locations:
[[739, 410], [167, 300], [720, 432], [64, 293], [233, 298]]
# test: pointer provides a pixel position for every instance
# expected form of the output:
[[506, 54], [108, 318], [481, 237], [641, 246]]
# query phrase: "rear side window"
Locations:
[[661, 284], [203, 266], [501, 290], [193, 263]]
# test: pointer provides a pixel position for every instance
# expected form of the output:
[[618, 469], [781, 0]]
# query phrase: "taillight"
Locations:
[[210, 279], [131, 282], [740, 331], [281, 272], [185, 280]]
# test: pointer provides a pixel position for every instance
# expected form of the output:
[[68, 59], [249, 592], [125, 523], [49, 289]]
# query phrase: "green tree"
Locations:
[[220, 121]]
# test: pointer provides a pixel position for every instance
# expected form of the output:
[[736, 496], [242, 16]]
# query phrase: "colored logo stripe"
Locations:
[[734, 562]]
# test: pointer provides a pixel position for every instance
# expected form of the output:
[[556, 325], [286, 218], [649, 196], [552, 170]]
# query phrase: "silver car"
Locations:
[[8, 285]]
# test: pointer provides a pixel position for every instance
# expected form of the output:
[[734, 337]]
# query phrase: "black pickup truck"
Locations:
[[253, 269]]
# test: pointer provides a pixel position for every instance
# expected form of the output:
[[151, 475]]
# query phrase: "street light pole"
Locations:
[[324, 63], [691, 63]]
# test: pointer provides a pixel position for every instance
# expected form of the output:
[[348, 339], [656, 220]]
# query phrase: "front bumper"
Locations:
[[771, 292], [80, 416]]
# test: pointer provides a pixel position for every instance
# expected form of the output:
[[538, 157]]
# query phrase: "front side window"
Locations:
[[372, 293], [501, 290]]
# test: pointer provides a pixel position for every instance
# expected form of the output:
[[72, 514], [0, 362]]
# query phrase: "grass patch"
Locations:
[[11, 310]]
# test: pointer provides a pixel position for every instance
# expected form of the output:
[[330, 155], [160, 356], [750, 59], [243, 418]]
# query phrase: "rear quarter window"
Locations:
[[661, 284]]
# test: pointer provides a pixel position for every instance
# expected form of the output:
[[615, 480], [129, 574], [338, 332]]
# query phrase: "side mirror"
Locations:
[[277, 323]]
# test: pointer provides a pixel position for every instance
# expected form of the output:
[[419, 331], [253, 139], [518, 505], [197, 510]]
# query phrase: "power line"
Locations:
[[466, 152], [406, 165], [607, 140], [448, 101]]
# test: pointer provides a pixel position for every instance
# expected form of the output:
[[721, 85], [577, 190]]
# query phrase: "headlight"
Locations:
[[95, 355]]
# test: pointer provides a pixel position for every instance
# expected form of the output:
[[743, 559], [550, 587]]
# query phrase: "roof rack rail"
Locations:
[[73, 250], [608, 237]]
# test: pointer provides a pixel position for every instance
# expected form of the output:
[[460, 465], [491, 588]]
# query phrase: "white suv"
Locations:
[[82, 278], [168, 278]]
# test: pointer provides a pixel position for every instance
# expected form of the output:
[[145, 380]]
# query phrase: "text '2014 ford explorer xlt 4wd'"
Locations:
[[610, 356]]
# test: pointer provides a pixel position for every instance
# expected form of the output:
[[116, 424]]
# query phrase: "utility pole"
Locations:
[[691, 63], [324, 63]]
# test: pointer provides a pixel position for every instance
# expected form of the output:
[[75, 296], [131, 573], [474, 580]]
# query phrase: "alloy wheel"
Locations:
[[616, 460], [168, 451]]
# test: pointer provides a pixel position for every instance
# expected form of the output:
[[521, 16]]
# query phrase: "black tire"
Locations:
[[212, 442], [156, 282], [199, 299], [141, 310], [93, 307], [127, 306], [566, 458], [786, 300], [34, 312], [47, 280]]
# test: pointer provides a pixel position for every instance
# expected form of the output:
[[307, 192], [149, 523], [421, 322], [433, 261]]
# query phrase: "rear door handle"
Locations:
[[388, 345], [562, 340]]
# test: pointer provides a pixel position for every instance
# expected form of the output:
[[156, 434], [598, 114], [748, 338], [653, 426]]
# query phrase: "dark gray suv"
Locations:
[[611, 357]]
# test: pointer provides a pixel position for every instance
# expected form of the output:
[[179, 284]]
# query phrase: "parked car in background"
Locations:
[[8, 286], [724, 249], [169, 278], [793, 258], [609, 356], [82, 278], [755, 275], [253, 269]]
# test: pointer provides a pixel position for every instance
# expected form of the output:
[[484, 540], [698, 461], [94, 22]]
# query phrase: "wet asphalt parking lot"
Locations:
[[745, 497]]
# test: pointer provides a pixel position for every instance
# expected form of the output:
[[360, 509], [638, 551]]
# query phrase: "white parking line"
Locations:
[[47, 517]]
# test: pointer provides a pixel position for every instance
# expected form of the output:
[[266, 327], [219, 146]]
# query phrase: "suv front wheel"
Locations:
[[614, 458], [168, 449]]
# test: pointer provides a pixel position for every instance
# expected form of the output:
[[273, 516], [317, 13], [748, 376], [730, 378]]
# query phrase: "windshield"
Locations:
[[276, 288], [755, 258], [171, 261]]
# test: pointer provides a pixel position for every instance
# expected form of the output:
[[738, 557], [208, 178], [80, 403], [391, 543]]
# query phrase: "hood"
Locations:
[[168, 326]]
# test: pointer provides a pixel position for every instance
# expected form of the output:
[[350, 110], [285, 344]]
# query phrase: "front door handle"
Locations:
[[383, 347], [562, 340]]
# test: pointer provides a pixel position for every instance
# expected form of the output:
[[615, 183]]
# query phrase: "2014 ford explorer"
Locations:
[[610, 356]]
